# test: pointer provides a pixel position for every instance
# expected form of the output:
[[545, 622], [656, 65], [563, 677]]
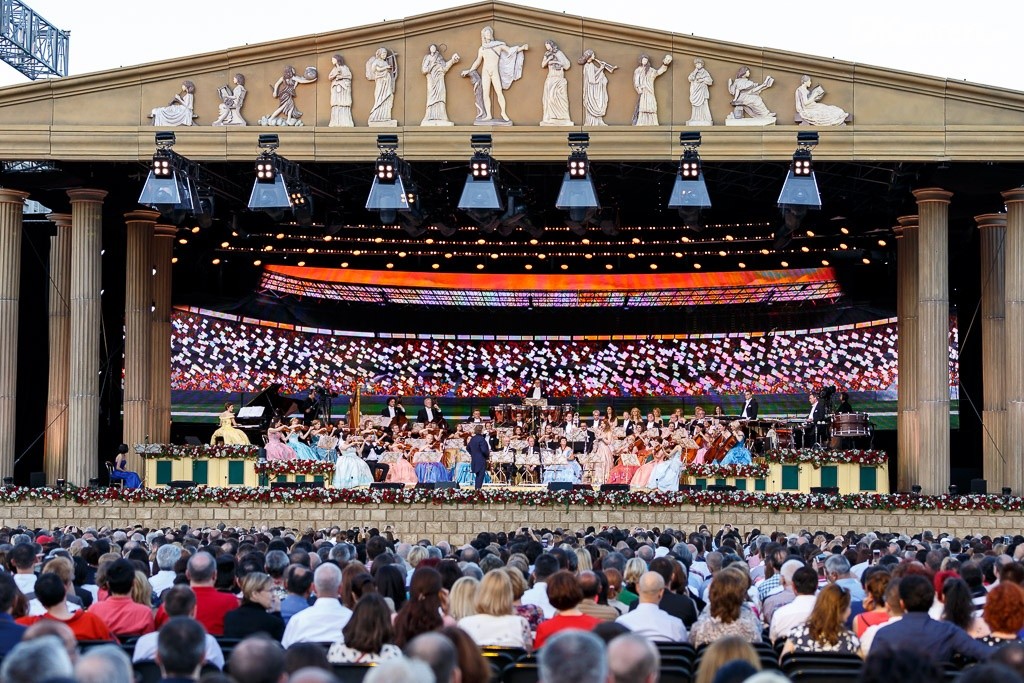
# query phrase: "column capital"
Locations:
[[141, 216], [932, 194], [13, 196], [1014, 195], [991, 220], [62, 220], [165, 231], [82, 194], [907, 222]]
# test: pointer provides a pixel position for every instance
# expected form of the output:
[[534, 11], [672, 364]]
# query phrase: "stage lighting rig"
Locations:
[[481, 197], [690, 192], [577, 194], [388, 195], [800, 190], [170, 187], [277, 181]]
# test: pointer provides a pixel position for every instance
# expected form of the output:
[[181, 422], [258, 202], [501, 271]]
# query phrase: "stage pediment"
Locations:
[[893, 114]]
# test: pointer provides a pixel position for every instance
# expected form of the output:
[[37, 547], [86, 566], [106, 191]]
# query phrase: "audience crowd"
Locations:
[[608, 605]]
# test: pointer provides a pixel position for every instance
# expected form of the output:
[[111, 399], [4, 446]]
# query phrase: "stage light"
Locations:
[[916, 489], [577, 194], [388, 195], [481, 198], [270, 191], [170, 187], [800, 189], [953, 489], [1007, 492], [690, 192], [435, 266], [529, 266], [741, 264]]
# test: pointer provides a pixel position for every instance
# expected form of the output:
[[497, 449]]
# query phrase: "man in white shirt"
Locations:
[[545, 566], [796, 613], [166, 556], [649, 620], [323, 620], [785, 596], [749, 406], [179, 601], [535, 391]]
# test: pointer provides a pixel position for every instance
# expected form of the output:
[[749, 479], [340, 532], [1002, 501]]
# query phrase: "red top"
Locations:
[[124, 616], [866, 619], [211, 606], [557, 623], [85, 625]]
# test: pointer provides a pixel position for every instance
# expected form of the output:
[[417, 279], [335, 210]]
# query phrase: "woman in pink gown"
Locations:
[[402, 470], [643, 473], [277, 449], [604, 461]]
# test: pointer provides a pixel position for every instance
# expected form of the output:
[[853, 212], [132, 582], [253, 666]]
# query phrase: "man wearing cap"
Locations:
[[122, 615]]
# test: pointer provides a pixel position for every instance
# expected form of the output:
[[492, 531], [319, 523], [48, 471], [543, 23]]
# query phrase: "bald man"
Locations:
[[633, 659], [649, 620]]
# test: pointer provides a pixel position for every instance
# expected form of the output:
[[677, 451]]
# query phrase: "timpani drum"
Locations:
[[850, 424], [784, 438]]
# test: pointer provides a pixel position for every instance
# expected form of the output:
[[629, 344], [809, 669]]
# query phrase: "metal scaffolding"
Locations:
[[31, 44]]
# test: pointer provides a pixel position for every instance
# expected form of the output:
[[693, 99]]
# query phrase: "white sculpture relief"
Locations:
[[382, 69], [748, 109], [700, 95], [179, 112], [595, 88], [809, 109], [434, 68], [341, 93], [284, 89], [498, 66], [646, 112], [229, 112], [556, 89]]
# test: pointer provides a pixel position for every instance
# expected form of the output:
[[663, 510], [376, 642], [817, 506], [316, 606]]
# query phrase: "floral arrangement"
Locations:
[[716, 471], [816, 457], [503, 496], [275, 468], [179, 451]]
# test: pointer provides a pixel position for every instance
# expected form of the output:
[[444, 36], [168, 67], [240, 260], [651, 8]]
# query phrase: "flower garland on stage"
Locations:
[[817, 457], [275, 468], [715, 471], [505, 496], [207, 451]]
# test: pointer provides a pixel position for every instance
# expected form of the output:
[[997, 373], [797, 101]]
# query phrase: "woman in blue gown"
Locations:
[[569, 472], [296, 432], [738, 454], [350, 470], [131, 479], [432, 471], [463, 470]]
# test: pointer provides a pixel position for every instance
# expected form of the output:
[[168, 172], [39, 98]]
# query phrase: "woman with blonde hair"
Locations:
[[142, 591], [495, 623], [584, 563], [631, 574], [726, 614], [462, 599], [260, 610], [720, 653], [825, 630]]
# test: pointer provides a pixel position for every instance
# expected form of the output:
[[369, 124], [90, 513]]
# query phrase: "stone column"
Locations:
[[138, 323], [12, 211], [933, 337], [55, 441], [84, 377], [908, 461], [160, 342], [1013, 473], [992, 227]]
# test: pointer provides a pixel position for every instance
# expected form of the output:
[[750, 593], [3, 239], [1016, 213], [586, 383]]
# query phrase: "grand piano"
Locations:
[[255, 416]]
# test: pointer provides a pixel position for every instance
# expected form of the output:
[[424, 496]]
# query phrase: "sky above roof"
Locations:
[[960, 41]]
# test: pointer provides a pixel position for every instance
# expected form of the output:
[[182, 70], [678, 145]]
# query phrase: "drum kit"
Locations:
[[843, 428]]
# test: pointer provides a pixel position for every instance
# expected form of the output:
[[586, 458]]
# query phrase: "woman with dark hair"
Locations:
[[390, 582], [119, 469], [1004, 614], [825, 630], [348, 575], [874, 602], [368, 635], [450, 573], [958, 607], [471, 662], [726, 614], [565, 595], [425, 607]]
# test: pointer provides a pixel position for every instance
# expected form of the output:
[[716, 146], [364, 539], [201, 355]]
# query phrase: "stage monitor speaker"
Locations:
[[446, 485], [181, 484], [614, 487], [827, 490], [428, 485], [261, 454], [560, 486], [979, 486], [37, 480], [387, 485], [721, 487], [689, 487], [193, 441], [295, 484]]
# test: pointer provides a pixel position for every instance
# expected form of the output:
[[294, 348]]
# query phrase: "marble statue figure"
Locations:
[[499, 66], [341, 93], [284, 89], [556, 89], [700, 95], [646, 112], [595, 88], [434, 68], [811, 111], [180, 110], [382, 69], [748, 109], [229, 111]]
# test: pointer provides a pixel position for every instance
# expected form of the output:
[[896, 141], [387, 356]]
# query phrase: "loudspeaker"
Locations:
[[193, 441], [447, 485], [428, 485], [261, 454], [387, 485], [37, 480], [689, 487], [721, 487], [977, 486], [560, 486], [181, 484], [830, 490], [614, 487]]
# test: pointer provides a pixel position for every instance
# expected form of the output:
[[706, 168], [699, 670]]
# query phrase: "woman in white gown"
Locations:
[[665, 476], [350, 470]]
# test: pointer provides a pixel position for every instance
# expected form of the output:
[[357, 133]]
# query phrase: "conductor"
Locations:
[[479, 452], [535, 390]]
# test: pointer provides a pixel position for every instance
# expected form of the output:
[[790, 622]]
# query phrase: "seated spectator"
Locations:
[[591, 586], [400, 670], [322, 622], [10, 632], [52, 592], [649, 619], [874, 603], [368, 635], [122, 615], [166, 556], [564, 593], [179, 601], [63, 632], [257, 659], [473, 666], [635, 568], [886, 666], [825, 629], [259, 611], [181, 645], [1011, 656], [786, 593], [298, 583], [37, 660], [211, 604], [958, 607], [462, 599], [306, 656], [531, 613], [495, 624], [1004, 614], [788, 617], [720, 653], [893, 607], [423, 610], [633, 659], [390, 582], [726, 614], [573, 656], [837, 570], [680, 606], [437, 652], [104, 664], [614, 577], [545, 566]]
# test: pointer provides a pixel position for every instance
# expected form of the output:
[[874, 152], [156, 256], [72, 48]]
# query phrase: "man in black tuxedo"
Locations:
[[749, 406], [430, 413], [479, 452], [815, 417], [393, 409]]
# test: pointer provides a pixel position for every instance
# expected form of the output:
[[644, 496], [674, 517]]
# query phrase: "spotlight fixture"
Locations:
[[387, 194], [577, 193], [481, 199], [170, 187], [276, 176], [1007, 492], [690, 192], [953, 489], [800, 189], [916, 489]]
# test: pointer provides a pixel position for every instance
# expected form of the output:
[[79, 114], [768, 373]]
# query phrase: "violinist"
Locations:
[[474, 418], [531, 454], [371, 452], [652, 422], [677, 420], [699, 419]]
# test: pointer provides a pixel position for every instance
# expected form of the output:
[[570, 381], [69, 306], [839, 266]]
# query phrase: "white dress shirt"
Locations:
[[746, 407], [655, 624], [538, 595], [162, 580], [321, 622], [145, 650], [788, 617]]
